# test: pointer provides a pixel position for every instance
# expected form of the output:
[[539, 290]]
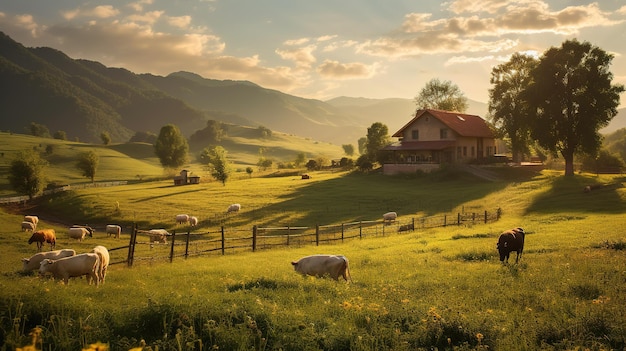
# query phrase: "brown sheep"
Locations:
[[44, 236]]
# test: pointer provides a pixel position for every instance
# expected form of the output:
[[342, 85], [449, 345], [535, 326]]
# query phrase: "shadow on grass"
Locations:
[[568, 194]]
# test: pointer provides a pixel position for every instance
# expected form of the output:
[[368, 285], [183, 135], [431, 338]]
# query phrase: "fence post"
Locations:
[[485, 216], [360, 229], [172, 247], [131, 246], [254, 229], [288, 236], [498, 213], [317, 235], [458, 218], [445, 218], [187, 245], [223, 244], [342, 231]]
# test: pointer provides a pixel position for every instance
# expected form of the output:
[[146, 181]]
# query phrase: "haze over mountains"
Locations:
[[85, 98]]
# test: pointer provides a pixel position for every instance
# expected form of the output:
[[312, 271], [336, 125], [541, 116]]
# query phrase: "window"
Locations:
[[464, 151], [472, 151], [415, 135], [443, 134]]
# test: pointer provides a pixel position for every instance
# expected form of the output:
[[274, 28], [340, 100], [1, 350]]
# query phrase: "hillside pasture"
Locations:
[[440, 287]]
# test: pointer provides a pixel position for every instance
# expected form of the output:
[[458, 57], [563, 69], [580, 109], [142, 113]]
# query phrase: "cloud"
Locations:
[[180, 21], [102, 11], [337, 70], [301, 56]]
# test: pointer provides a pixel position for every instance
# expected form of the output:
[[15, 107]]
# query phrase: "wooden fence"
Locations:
[[222, 241]]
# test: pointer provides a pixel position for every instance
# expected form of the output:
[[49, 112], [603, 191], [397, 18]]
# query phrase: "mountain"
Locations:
[[85, 98]]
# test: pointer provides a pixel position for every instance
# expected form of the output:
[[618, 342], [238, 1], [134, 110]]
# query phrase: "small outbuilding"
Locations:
[[185, 177]]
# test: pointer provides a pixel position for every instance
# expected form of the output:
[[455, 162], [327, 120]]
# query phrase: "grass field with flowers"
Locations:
[[441, 288]]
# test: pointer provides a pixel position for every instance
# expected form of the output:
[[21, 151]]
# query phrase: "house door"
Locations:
[[479, 147]]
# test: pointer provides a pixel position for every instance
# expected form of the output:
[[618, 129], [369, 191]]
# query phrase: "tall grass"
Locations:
[[438, 288]]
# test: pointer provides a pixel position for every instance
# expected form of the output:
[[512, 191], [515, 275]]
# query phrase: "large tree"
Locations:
[[572, 96], [27, 173], [510, 114], [441, 95], [218, 163], [377, 138], [171, 147], [88, 164]]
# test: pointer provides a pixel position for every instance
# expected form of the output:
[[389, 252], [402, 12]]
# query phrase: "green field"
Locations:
[[441, 288]]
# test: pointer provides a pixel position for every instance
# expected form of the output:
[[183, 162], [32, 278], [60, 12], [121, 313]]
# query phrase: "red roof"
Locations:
[[462, 124]]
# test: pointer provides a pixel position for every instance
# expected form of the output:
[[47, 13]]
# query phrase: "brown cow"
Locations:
[[509, 241], [44, 236]]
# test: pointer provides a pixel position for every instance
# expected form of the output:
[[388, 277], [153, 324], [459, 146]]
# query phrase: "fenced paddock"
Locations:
[[224, 240]]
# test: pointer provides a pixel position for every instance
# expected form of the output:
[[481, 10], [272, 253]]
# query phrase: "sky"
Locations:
[[320, 49]]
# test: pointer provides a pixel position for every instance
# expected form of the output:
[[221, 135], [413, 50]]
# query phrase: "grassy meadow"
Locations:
[[441, 288]]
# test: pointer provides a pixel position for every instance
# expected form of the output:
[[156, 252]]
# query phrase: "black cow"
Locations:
[[509, 241]]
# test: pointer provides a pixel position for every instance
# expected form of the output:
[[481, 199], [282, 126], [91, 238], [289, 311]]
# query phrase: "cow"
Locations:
[[79, 232], [114, 229], [32, 263], [74, 266], [103, 254], [43, 236], [509, 241], [322, 265], [158, 235]]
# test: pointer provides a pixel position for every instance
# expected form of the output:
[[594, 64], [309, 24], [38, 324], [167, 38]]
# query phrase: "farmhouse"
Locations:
[[435, 137], [185, 177]]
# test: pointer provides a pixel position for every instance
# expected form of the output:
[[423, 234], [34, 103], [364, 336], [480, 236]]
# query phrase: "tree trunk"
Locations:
[[569, 163]]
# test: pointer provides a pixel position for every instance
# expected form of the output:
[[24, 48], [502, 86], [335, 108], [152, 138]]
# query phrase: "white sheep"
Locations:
[[26, 226], [158, 235], [234, 208], [33, 219], [390, 216], [103, 253], [182, 218], [193, 221]]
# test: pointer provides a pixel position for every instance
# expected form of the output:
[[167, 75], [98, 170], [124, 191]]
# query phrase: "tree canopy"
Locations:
[[88, 164], [26, 173], [441, 95], [377, 138], [510, 114], [171, 147], [218, 163], [572, 97]]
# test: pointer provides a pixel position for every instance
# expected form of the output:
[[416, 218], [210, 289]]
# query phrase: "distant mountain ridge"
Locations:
[[85, 98]]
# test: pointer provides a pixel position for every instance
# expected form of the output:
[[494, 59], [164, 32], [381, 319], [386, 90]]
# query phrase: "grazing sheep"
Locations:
[[32, 263], [114, 229], [509, 241], [43, 236], [182, 218], [234, 208], [406, 227], [74, 266], [321, 265], [33, 219], [79, 232], [103, 253], [158, 235], [193, 221], [28, 226], [390, 216]]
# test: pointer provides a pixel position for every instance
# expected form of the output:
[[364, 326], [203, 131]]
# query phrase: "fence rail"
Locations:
[[142, 249]]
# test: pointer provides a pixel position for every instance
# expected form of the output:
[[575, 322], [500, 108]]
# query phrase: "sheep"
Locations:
[[193, 221], [43, 236], [406, 227], [234, 208], [79, 232], [158, 235], [182, 218], [103, 253], [32, 263], [390, 216], [73, 266], [28, 226], [114, 229], [33, 219]]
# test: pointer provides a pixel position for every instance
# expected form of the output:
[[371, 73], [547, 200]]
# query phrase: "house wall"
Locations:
[[429, 129], [398, 168]]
